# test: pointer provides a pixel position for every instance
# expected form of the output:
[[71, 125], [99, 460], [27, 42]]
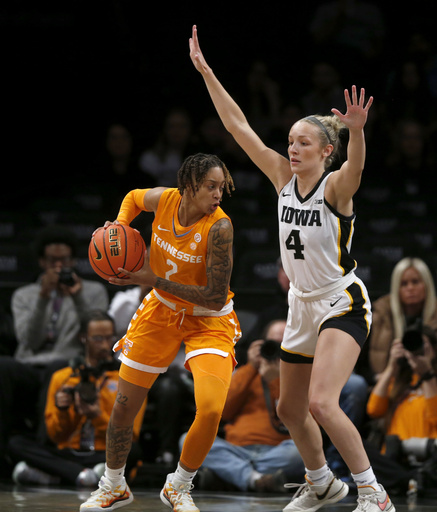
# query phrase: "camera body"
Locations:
[[66, 277], [270, 350], [86, 388], [412, 338]]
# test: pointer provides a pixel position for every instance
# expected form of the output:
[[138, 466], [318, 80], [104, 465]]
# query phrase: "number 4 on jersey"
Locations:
[[293, 243]]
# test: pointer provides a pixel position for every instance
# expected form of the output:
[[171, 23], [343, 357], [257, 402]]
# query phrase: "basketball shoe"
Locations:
[[310, 497], [372, 500], [176, 495], [107, 497], [28, 475]]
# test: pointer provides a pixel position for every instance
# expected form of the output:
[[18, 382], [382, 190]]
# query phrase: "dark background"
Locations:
[[70, 67]]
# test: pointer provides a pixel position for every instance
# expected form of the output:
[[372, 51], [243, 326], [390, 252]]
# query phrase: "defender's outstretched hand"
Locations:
[[196, 53], [356, 113]]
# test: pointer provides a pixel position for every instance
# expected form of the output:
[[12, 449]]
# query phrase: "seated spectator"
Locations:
[[123, 305], [79, 403], [412, 297], [256, 453], [47, 316], [405, 398]]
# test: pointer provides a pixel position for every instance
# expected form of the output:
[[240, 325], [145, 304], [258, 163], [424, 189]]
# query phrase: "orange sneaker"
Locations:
[[107, 497], [177, 496]]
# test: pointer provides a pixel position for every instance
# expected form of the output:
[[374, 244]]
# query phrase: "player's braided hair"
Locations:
[[195, 168]]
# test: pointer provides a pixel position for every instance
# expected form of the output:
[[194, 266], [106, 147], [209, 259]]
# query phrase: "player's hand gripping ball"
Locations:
[[114, 247]]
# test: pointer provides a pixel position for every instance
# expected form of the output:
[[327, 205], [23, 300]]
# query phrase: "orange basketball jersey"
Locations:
[[179, 253]]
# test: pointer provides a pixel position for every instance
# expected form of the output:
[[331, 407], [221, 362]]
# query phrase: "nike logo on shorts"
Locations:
[[332, 304]]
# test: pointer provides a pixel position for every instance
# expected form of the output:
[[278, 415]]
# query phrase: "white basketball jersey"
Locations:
[[314, 238]]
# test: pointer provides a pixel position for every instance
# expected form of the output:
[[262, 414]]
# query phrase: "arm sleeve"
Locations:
[[29, 313], [377, 406], [132, 205], [60, 424]]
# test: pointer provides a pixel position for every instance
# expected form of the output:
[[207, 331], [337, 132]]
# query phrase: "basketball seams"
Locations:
[[108, 256], [96, 269], [125, 247], [128, 240], [141, 255]]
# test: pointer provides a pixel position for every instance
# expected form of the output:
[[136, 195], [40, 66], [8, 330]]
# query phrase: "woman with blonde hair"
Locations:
[[329, 309], [412, 298]]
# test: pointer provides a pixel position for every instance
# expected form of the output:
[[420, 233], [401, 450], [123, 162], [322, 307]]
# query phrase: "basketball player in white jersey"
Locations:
[[329, 309]]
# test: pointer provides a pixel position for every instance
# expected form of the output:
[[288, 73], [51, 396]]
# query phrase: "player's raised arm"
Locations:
[[271, 163], [347, 180]]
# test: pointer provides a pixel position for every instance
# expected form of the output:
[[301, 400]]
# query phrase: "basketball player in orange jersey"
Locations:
[[189, 270]]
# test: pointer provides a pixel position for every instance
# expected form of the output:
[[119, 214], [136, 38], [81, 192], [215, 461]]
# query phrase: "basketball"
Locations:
[[115, 247]]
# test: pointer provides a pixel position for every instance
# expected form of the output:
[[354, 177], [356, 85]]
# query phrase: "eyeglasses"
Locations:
[[52, 260], [99, 339]]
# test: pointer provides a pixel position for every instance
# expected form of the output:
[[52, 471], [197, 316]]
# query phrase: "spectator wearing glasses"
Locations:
[[79, 403], [47, 316]]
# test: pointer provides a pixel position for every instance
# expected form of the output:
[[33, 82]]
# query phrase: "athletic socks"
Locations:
[[366, 478], [115, 476], [183, 476], [321, 476]]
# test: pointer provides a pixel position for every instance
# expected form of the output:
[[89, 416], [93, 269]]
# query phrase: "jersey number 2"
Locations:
[[173, 270], [293, 243]]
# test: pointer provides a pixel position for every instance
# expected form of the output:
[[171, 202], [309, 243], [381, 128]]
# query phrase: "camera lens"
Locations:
[[270, 350], [87, 392], [412, 338], [66, 277]]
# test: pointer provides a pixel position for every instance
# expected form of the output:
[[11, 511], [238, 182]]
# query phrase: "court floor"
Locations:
[[15, 498]]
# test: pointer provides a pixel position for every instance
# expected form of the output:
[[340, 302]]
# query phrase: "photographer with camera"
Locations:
[[256, 452], [412, 298], [47, 315], [405, 399], [79, 403]]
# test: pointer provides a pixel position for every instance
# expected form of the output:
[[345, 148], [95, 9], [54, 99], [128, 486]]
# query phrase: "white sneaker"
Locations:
[[372, 500], [176, 495], [310, 497], [23, 474], [107, 497]]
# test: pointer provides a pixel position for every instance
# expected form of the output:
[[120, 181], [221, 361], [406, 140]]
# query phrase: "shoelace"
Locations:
[[183, 495], [301, 489], [104, 488]]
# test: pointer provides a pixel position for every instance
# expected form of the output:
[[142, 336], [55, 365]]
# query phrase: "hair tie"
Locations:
[[321, 126]]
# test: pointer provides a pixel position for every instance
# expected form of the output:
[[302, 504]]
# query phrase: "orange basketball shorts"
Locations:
[[156, 332]]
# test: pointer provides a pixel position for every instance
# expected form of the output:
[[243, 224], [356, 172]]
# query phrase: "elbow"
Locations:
[[217, 303], [217, 306]]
